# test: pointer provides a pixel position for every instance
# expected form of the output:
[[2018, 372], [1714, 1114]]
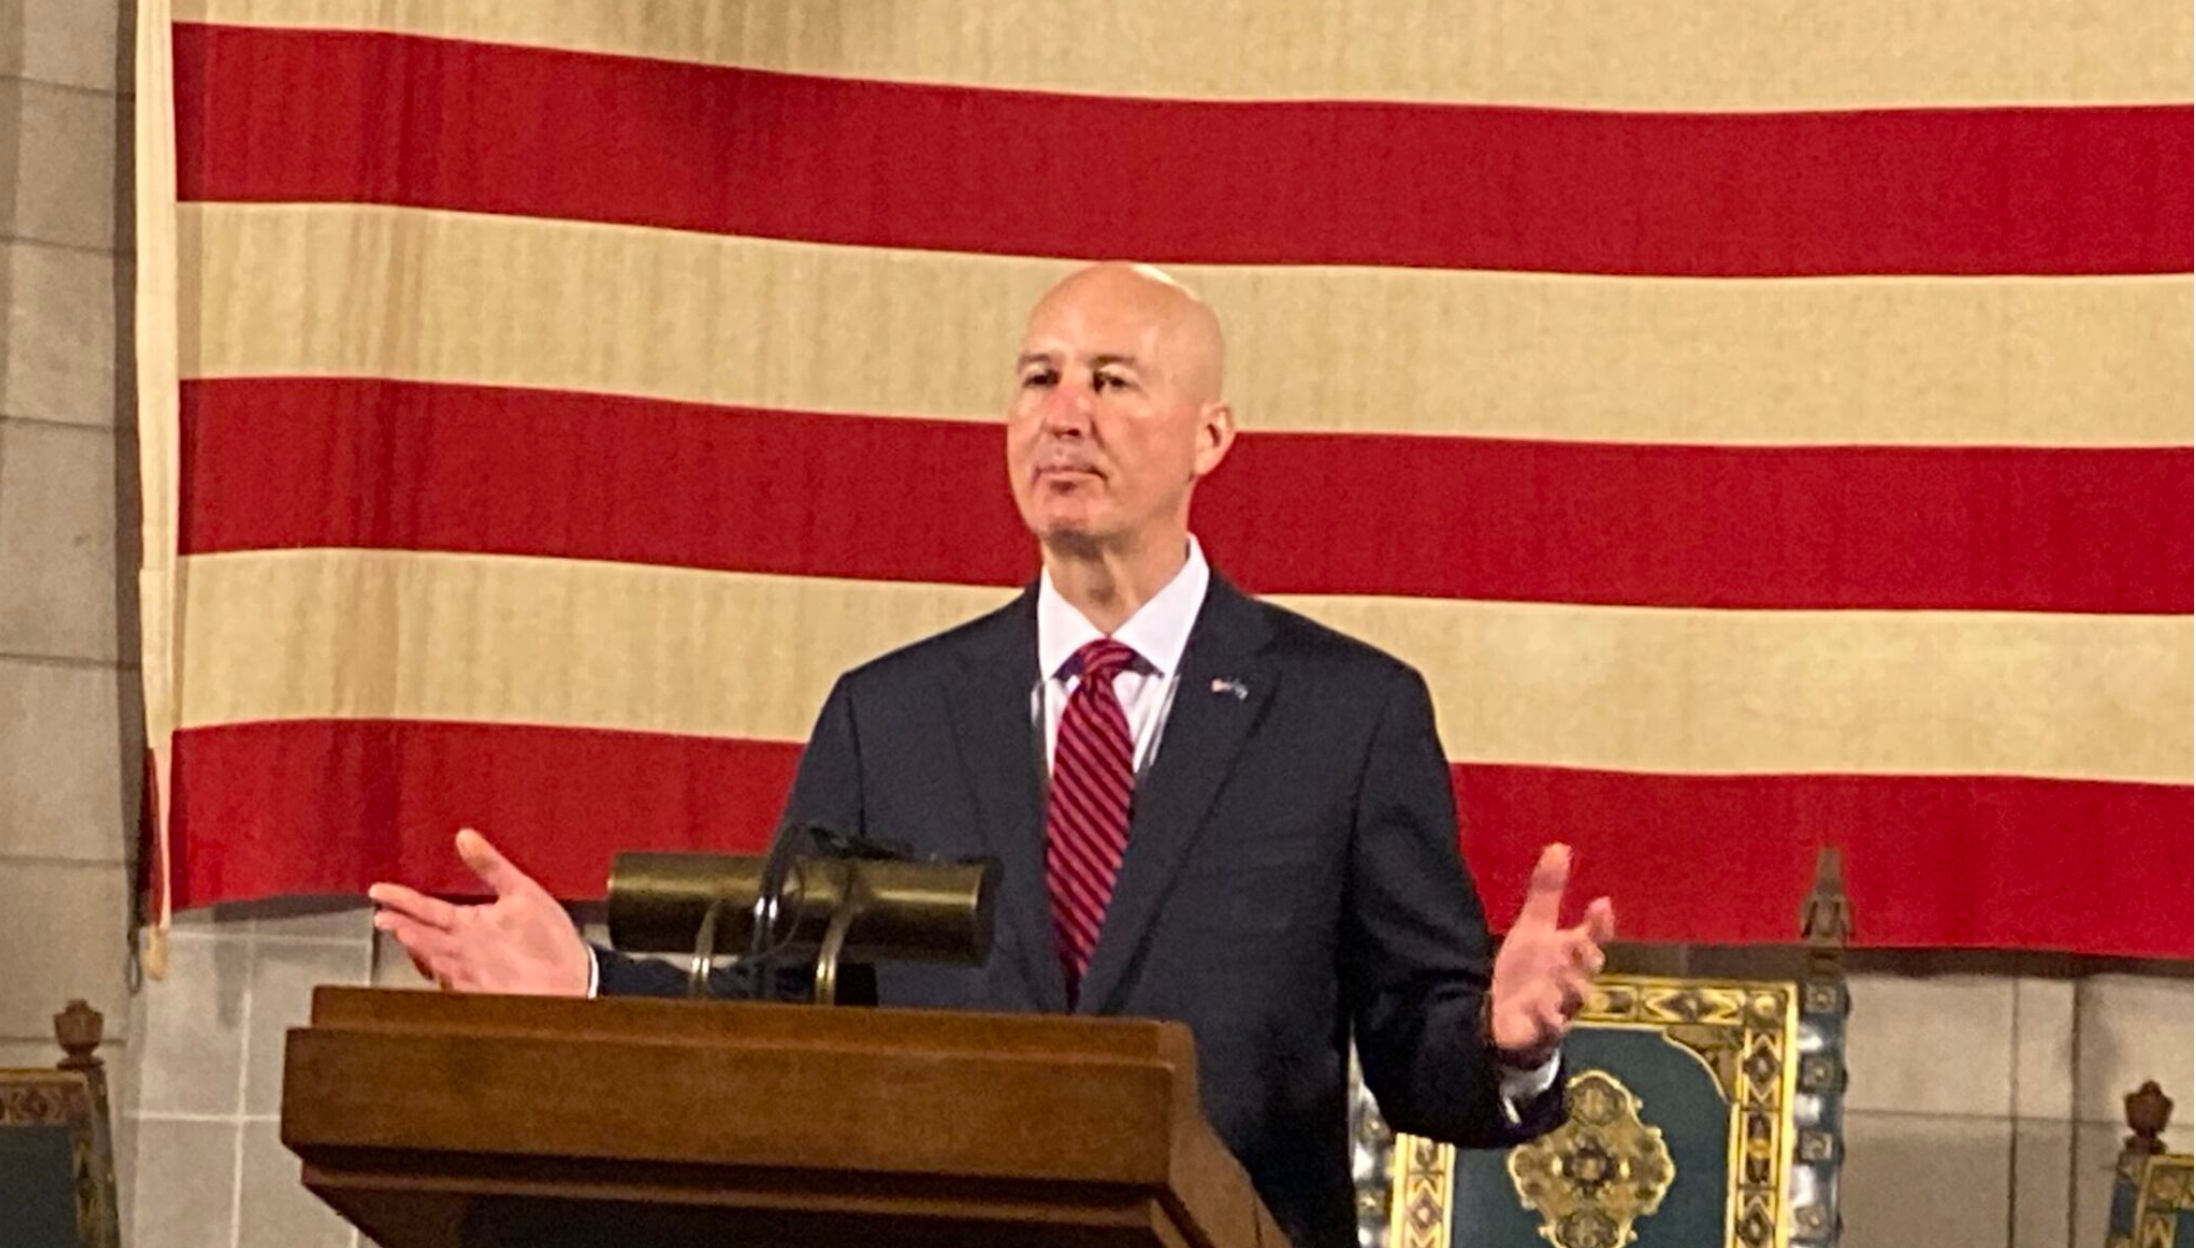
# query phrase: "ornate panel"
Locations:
[[1743, 1150]]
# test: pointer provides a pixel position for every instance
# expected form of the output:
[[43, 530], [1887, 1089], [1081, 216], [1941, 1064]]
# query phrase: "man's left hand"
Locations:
[[1543, 971]]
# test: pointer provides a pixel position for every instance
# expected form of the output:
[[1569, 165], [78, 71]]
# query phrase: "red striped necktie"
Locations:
[[1087, 815]]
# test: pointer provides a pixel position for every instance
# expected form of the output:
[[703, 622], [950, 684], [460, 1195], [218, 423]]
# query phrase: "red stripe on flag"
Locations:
[[283, 115], [306, 462], [330, 806], [1930, 861]]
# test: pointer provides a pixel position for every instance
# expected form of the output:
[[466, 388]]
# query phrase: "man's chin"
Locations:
[[1070, 535]]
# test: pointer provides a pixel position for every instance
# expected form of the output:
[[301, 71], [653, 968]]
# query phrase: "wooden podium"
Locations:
[[434, 1120]]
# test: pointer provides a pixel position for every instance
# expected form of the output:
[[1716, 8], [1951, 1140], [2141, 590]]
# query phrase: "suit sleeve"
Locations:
[[827, 790], [1417, 955]]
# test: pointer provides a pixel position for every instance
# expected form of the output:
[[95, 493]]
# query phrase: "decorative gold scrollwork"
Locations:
[[2167, 1190], [1597, 1174]]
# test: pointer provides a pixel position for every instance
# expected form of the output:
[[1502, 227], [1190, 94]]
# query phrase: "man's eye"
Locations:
[[1103, 382], [1040, 379]]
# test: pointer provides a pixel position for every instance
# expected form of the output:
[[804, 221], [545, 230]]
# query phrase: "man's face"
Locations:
[[1109, 429]]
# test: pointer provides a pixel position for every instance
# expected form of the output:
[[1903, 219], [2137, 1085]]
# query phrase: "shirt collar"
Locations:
[[1158, 632]]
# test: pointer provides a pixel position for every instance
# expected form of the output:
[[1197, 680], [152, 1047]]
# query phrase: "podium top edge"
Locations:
[[390, 1009]]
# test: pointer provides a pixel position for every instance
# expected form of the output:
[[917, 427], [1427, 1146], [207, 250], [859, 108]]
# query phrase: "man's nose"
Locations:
[[1067, 409]]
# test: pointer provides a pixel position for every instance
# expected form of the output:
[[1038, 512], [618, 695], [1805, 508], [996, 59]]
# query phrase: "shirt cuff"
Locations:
[[1520, 1088], [594, 972]]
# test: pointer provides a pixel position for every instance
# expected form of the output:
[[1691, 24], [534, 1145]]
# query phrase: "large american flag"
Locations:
[[1766, 423]]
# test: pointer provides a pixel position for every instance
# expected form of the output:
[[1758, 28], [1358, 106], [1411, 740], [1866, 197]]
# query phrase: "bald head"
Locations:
[[1177, 333]]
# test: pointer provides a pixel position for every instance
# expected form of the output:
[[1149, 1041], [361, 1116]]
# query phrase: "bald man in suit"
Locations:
[[1208, 808]]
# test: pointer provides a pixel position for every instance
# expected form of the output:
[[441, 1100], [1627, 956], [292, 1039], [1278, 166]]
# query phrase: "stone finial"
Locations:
[[1827, 918], [79, 1028], [2148, 1111]]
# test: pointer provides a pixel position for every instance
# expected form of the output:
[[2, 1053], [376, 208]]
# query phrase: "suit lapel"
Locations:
[[991, 718], [1204, 729]]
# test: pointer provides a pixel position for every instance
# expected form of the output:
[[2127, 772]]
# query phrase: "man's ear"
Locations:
[[1215, 434]]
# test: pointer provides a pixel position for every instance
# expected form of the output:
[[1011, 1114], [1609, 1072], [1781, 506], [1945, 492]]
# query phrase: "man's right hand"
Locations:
[[522, 942]]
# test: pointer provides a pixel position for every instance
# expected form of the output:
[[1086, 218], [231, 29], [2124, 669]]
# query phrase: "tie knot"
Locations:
[[1103, 659]]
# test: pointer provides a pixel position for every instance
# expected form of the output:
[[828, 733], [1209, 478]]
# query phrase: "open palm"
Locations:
[[522, 942], [1543, 970]]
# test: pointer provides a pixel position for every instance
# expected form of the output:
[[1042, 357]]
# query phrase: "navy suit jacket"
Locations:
[[1292, 878]]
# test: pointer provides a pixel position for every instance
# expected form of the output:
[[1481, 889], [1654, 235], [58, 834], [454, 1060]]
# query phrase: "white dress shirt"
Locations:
[[1158, 633]]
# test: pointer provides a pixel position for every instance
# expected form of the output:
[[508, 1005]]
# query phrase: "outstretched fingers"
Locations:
[[438, 954], [1544, 895], [1601, 921], [1581, 952], [487, 862], [414, 905]]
